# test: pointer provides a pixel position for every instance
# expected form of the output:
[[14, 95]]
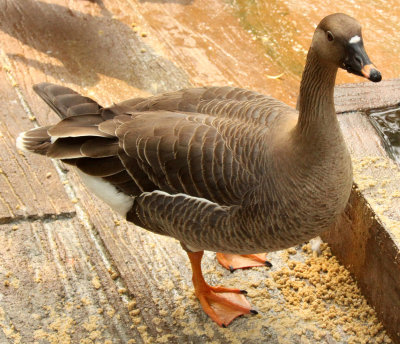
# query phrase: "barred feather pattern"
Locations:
[[217, 168]]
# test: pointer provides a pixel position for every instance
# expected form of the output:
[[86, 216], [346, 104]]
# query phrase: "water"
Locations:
[[285, 27], [387, 124]]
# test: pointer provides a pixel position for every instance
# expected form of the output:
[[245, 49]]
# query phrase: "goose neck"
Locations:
[[316, 101]]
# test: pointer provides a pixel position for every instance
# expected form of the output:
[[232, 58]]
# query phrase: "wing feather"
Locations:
[[100, 147], [221, 102], [204, 142], [100, 167], [178, 155], [81, 125], [66, 148]]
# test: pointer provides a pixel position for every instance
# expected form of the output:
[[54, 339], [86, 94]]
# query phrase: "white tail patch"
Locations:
[[108, 193], [20, 142], [355, 39]]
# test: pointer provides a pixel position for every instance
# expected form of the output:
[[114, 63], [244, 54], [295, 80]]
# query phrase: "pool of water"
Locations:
[[387, 123]]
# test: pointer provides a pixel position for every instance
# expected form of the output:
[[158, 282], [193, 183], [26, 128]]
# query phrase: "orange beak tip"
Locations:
[[371, 73]]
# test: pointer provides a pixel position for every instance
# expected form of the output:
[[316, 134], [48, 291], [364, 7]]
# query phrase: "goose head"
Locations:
[[337, 40]]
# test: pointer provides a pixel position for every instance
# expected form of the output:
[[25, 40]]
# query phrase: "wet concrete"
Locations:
[[285, 29]]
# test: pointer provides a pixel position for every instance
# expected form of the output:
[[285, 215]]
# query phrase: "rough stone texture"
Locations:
[[22, 179], [367, 237], [366, 248], [367, 95]]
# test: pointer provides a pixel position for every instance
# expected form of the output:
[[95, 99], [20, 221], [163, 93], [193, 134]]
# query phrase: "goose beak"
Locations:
[[370, 72], [357, 62]]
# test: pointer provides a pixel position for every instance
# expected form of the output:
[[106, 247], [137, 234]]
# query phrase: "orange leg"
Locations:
[[241, 261], [221, 304]]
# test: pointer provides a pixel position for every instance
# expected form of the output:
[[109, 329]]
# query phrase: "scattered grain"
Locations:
[[96, 282]]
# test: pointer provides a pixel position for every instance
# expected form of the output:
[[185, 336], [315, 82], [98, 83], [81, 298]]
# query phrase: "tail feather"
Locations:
[[77, 138], [86, 138], [35, 140], [66, 102]]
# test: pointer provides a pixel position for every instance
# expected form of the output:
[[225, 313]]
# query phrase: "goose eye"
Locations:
[[329, 36]]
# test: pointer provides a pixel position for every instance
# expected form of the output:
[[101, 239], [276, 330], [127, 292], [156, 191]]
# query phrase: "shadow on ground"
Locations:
[[86, 46]]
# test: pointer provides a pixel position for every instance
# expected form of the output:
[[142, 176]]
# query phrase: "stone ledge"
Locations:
[[366, 238]]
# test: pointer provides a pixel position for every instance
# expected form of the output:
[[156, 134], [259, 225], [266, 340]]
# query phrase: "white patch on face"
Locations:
[[355, 39], [107, 192]]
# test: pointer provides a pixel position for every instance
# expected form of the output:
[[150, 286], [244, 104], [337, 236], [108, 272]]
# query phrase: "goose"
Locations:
[[222, 169]]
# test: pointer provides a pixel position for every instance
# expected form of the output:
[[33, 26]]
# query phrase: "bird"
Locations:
[[222, 169]]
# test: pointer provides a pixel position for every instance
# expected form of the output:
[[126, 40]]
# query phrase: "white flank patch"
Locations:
[[20, 142], [53, 139], [355, 39], [104, 190]]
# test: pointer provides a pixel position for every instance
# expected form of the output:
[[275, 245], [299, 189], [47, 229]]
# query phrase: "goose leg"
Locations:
[[221, 304], [241, 261]]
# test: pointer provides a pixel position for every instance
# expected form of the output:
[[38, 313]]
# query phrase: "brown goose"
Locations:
[[221, 168]]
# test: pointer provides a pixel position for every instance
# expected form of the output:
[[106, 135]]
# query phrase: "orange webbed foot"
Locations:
[[241, 261], [221, 304]]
